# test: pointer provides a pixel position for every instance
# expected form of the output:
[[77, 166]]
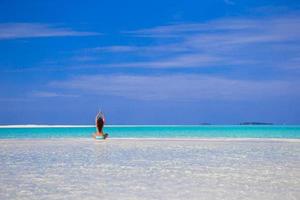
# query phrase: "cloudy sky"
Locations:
[[150, 62]]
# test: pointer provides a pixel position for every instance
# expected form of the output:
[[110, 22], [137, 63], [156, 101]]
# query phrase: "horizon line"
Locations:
[[131, 125]]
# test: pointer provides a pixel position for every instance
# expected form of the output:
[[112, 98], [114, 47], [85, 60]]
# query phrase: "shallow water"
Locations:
[[149, 169], [151, 131]]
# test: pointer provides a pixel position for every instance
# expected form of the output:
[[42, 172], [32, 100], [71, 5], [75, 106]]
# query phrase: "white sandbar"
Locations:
[[150, 169]]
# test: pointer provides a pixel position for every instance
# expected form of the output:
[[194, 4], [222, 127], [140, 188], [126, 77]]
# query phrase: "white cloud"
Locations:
[[230, 2], [139, 49], [241, 43], [181, 87], [180, 61], [269, 29], [118, 48], [33, 30], [223, 42], [46, 94], [181, 30]]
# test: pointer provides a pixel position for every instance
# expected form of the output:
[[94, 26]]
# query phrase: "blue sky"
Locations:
[[150, 62]]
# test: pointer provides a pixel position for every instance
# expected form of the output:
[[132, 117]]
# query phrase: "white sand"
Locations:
[[149, 169]]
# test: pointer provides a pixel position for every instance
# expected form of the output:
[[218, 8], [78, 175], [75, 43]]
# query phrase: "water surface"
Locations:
[[210, 131], [149, 169]]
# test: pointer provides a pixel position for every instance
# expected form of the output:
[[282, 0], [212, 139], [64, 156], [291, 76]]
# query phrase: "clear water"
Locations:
[[149, 169], [211, 131]]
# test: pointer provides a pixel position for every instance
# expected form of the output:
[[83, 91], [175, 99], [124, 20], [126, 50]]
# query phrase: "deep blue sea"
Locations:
[[152, 131]]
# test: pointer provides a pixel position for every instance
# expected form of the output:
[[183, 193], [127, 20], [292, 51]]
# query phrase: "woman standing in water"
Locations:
[[100, 120]]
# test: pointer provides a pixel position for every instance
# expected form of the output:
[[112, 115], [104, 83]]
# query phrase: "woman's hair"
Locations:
[[100, 123]]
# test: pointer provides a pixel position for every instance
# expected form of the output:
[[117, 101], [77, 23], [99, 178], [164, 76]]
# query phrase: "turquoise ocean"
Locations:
[[152, 131]]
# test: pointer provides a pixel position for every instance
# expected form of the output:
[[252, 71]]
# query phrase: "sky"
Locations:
[[150, 62]]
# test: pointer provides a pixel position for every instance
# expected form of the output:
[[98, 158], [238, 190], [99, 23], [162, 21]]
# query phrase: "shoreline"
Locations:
[[148, 125], [161, 139]]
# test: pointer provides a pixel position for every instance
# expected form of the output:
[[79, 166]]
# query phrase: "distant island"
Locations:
[[255, 123], [242, 123], [204, 123]]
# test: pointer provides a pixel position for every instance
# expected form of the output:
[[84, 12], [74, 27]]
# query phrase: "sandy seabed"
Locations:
[[149, 169]]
